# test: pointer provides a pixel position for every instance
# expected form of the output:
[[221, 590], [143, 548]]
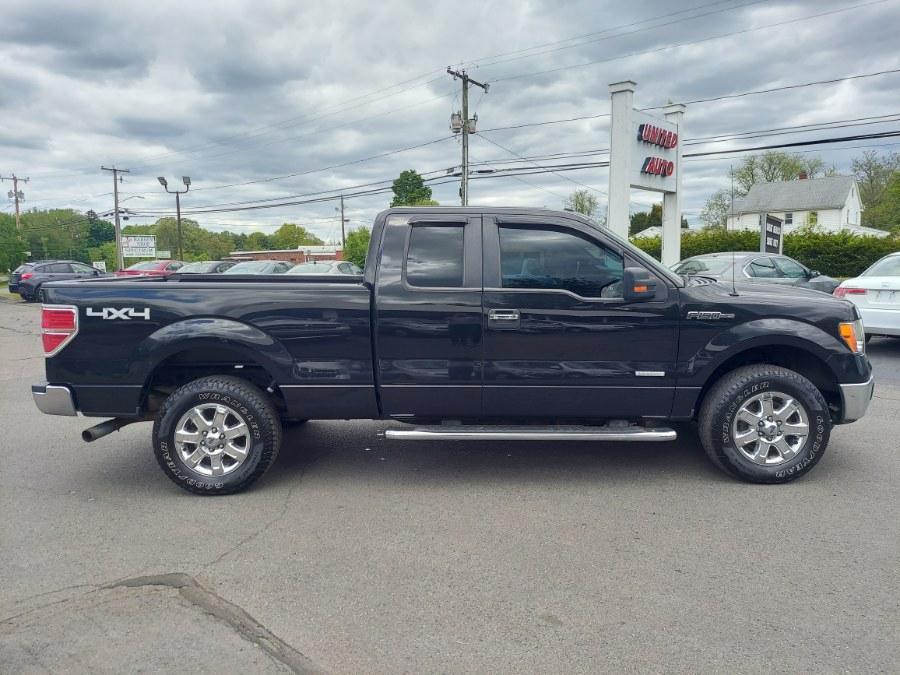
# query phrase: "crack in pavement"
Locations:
[[233, 616], [208, 602]]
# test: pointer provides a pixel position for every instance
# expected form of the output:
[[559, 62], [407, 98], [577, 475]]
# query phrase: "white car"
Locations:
[[876, 293]]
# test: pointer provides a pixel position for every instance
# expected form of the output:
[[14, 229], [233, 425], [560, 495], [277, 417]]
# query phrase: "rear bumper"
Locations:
[[855, 398], [879, 321], [53, 400]]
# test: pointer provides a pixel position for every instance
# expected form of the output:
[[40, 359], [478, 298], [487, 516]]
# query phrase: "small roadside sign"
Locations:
[[770, 240], [99, 265], [139, 246]]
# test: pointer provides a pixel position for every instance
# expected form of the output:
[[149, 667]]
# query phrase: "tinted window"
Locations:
[[58, 268], [762, 268], [790, 269], [553, 259], [435, 256], [22, 268]]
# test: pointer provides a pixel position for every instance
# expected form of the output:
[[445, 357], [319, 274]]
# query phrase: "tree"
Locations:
[[12, 246], [886, 213], [357, 245], [582, 201], [715, 211], [773, 166], [291, 235], [410, 190], [873, 173], [644, 219], [257, 241]]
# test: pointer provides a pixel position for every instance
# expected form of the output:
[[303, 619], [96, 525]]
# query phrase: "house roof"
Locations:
[[796, 195]]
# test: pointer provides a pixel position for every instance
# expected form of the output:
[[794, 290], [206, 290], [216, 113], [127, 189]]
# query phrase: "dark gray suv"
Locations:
[[27, 279]]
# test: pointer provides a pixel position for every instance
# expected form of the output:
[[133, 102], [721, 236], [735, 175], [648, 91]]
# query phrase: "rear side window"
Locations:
[[58, 268], [559, 260], [435, 257]]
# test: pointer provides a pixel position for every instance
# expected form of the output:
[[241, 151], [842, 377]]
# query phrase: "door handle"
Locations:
[[503, 315]]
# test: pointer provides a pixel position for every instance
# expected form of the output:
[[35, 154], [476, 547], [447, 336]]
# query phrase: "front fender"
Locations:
[[211, 332], [696, 367]]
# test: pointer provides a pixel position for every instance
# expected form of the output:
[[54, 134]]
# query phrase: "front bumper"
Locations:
[[53, 400], [855, 399]]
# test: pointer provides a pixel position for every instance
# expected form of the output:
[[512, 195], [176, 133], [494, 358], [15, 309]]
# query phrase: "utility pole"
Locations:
[[343, 234], [15, 194], [462, 123], [120, 260], [177, 193]]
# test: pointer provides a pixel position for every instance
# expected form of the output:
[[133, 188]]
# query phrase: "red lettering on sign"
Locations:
[[649, 133], [657, 166]]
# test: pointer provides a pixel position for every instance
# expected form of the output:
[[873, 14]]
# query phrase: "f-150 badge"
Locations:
[[709, 316], [125, 313]]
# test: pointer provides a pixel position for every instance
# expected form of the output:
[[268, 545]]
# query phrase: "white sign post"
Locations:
[[645, 153], [139, 246]]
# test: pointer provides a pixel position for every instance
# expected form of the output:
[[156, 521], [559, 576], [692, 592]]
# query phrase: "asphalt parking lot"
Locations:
[[354, 555]]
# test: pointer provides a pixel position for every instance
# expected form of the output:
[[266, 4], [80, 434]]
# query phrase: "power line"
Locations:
[[689, 42]]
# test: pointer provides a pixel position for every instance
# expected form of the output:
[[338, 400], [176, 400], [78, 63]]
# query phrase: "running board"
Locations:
[[530, 433]]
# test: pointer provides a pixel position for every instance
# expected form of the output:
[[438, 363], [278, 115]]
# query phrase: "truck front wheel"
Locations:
[[216, 435], [764, 424]]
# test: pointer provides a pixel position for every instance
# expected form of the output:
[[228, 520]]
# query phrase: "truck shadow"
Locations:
[[350, 452]]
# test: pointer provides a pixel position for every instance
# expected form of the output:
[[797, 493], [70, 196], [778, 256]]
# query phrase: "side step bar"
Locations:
[[530, 433]]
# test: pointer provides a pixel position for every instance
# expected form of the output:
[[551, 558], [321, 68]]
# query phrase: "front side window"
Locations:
[[546, 258], [790, 269], [435, 256]]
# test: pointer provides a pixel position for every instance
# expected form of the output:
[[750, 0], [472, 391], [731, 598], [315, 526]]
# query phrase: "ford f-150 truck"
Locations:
[[467, 323]]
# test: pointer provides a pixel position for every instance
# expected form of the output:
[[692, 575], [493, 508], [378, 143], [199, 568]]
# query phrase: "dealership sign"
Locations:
[[654, 150], [139, 246]]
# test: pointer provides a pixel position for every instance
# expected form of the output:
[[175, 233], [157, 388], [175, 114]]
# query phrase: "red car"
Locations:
[[151, 268]]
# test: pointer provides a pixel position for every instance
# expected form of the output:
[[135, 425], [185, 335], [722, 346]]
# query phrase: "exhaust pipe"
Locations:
[[105, 428]]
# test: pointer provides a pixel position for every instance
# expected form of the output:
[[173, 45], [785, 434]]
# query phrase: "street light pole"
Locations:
[[177, 193]]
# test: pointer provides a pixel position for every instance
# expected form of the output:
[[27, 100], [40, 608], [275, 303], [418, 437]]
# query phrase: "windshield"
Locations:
[[146, 265], [311, 268], [709, 265], [886, 267], [195, 268]]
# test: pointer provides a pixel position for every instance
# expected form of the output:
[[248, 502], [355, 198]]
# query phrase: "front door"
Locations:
[[560, 340]]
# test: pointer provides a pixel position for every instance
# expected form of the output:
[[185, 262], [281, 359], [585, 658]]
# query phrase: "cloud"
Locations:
[[239, 92]]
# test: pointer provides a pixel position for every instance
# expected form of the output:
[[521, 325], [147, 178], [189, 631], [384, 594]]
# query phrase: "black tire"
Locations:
[[244, 398], [39, 295], [725, 399]]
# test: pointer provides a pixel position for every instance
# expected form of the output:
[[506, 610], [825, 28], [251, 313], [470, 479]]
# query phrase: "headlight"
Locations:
[[854, 335]]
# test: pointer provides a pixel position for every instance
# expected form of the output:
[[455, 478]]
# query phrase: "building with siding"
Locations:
[[832, 204], [295, 255]]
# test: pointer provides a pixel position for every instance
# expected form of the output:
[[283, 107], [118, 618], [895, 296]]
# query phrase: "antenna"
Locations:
[[733, 289]]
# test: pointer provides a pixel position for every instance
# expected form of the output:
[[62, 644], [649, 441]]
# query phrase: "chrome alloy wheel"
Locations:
[[770, 428], [212, 439]]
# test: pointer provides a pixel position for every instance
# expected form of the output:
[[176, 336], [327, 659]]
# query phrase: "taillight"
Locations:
[[26, 275], [840, 291], [59, 324]]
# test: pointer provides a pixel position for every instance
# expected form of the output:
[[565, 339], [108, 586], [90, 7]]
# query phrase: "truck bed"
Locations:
[[309, 338]]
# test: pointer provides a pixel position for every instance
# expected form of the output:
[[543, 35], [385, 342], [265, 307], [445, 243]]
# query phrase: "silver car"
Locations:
[[768, 268], [326, 267]]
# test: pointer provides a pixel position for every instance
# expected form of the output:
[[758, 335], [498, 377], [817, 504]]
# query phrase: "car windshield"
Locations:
[[311, 268], [146, 265], [702, 266], [886, 267], [250, 267], [195, 268]]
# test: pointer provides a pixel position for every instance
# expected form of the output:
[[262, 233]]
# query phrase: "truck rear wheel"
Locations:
[[764, 424], [216, 435]]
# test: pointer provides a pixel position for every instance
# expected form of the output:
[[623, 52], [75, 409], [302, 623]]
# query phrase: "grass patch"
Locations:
[[6, 296]]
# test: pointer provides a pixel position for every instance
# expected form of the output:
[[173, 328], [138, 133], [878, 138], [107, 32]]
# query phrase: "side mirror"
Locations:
[[639, 284], [814, 273]]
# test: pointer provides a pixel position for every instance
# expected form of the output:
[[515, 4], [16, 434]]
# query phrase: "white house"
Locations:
[[830, 203]]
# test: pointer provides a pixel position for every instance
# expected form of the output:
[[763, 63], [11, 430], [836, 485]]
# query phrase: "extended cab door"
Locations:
[[428, 333], [560, 340]]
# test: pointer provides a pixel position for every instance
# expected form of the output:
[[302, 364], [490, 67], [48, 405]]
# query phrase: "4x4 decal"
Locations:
[[125, 313]]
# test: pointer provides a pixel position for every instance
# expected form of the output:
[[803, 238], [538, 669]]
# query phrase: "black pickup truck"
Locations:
[[467, 323]]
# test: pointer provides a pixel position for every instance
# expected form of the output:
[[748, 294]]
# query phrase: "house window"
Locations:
[[788, 218], [813, 218]]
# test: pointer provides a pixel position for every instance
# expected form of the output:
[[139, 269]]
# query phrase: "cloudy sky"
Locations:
[[268, 99]]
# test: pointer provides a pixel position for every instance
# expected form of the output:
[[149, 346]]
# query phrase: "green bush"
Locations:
[[839, 254]]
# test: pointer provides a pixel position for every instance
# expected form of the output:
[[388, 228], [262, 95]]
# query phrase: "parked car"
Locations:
[[754, 266], [468, 324], [207, 267], [151, 268], [260, 267], [876, 293], [28, 279], [326, 267]]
